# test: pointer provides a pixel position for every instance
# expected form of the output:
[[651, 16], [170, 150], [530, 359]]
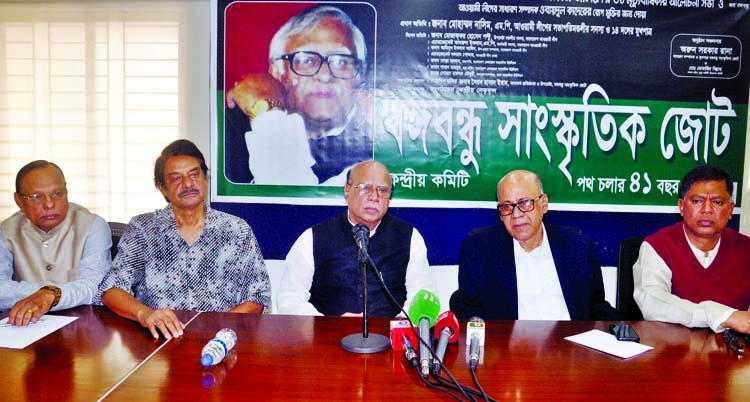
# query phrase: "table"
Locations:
[[299, 358], [79, 362]]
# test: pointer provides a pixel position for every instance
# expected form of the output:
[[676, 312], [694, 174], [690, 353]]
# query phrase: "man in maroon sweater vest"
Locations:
[[697, 272]]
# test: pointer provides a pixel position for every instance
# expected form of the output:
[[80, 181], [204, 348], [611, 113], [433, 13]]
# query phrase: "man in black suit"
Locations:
[[528, 270]]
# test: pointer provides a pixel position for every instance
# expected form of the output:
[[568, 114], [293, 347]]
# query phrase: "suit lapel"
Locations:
[[504, 271], [566, 271]]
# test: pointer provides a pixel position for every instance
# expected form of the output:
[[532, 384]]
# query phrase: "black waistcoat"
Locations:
[[337, 282]]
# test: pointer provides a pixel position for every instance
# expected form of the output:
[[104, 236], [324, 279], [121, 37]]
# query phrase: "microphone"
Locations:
[[446, 330], [423, 311], [475, 340], [409, 352], [365, 342], [399, 329], [361, 235]]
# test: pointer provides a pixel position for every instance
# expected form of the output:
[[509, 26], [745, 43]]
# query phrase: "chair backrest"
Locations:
[[626, 257], [117, 229]]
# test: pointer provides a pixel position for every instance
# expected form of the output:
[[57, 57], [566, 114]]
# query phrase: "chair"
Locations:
[[117, 229], [627, 255]]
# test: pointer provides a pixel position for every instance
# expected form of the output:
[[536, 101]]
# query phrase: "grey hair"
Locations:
[[306, 21]]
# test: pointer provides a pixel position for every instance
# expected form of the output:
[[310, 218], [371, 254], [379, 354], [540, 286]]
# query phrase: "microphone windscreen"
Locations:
[[447, 319], [361, 235], [360, 227], [425, 304]]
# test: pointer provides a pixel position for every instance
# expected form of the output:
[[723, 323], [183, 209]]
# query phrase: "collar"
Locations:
[[704, 257], [167, 220], [542, 246]]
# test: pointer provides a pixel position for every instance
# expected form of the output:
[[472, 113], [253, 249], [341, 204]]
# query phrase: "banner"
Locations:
[[609, 101]]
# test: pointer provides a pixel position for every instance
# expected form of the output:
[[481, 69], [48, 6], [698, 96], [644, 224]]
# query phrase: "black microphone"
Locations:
[[361, 236], [409, 353]]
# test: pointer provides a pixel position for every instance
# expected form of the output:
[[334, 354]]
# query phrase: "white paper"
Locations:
[[607, 343], [16, 337]]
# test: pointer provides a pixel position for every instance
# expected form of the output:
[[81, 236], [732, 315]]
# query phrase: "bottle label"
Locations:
[[224, 345]]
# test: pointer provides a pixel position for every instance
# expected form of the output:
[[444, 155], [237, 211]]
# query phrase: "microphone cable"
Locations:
[[479, 386], [457, 385], [443, 382], [438, 388]]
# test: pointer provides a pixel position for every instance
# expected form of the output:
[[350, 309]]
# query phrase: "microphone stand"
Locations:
[[365, 342]]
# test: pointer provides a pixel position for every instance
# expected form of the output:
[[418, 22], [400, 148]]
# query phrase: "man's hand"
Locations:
[[738, 321], [31, 308], [256, 93], [247, 307], [351, 315], [162, 319]]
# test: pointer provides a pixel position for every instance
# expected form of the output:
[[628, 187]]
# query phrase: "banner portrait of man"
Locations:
[[298, 105]]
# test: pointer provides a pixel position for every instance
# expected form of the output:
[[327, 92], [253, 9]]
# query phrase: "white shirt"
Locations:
[[652, 280], [540, 295], [704, 258], [294, 292]]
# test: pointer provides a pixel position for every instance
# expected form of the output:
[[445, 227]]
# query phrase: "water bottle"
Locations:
[[217, 348]]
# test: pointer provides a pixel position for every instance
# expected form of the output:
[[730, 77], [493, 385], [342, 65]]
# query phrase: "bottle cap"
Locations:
[[207, 360]]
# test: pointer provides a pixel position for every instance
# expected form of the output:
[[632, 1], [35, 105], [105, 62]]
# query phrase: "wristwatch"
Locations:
[[56, 290], [264, 105]]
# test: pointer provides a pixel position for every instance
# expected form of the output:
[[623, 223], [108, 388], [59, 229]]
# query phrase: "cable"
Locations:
[[468, 389], [457, 385], [479, 386], [433, 386]]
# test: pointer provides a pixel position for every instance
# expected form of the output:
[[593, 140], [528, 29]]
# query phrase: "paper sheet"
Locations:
[[607, 343], [19, 337]]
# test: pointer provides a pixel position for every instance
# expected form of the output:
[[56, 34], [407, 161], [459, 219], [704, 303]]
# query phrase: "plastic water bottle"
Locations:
[[217, 348]]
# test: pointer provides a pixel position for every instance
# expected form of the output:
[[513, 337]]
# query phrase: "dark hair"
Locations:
[[705, 173], [176, 148], [37, 164]]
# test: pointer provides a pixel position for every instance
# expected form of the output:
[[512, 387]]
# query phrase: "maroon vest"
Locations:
[[725, 281]]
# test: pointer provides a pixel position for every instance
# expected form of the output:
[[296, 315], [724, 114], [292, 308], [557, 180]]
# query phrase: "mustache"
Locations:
[[188, 192]]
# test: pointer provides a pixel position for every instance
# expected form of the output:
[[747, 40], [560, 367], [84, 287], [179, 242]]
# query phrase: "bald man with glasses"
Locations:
[[322, 266], [528, 270]]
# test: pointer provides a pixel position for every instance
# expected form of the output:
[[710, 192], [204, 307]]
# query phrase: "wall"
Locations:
[[277, 226]]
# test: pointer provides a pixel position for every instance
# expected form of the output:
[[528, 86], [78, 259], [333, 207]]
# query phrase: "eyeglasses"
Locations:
[[307, 64], [732, 342], [40, 197], [523, 206], [366, 189]]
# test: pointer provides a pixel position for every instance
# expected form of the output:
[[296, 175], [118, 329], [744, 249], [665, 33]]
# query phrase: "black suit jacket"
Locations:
[[487, 285]]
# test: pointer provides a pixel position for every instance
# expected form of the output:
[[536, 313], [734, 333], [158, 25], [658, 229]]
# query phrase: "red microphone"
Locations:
[[446, 330], [399, 329]]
